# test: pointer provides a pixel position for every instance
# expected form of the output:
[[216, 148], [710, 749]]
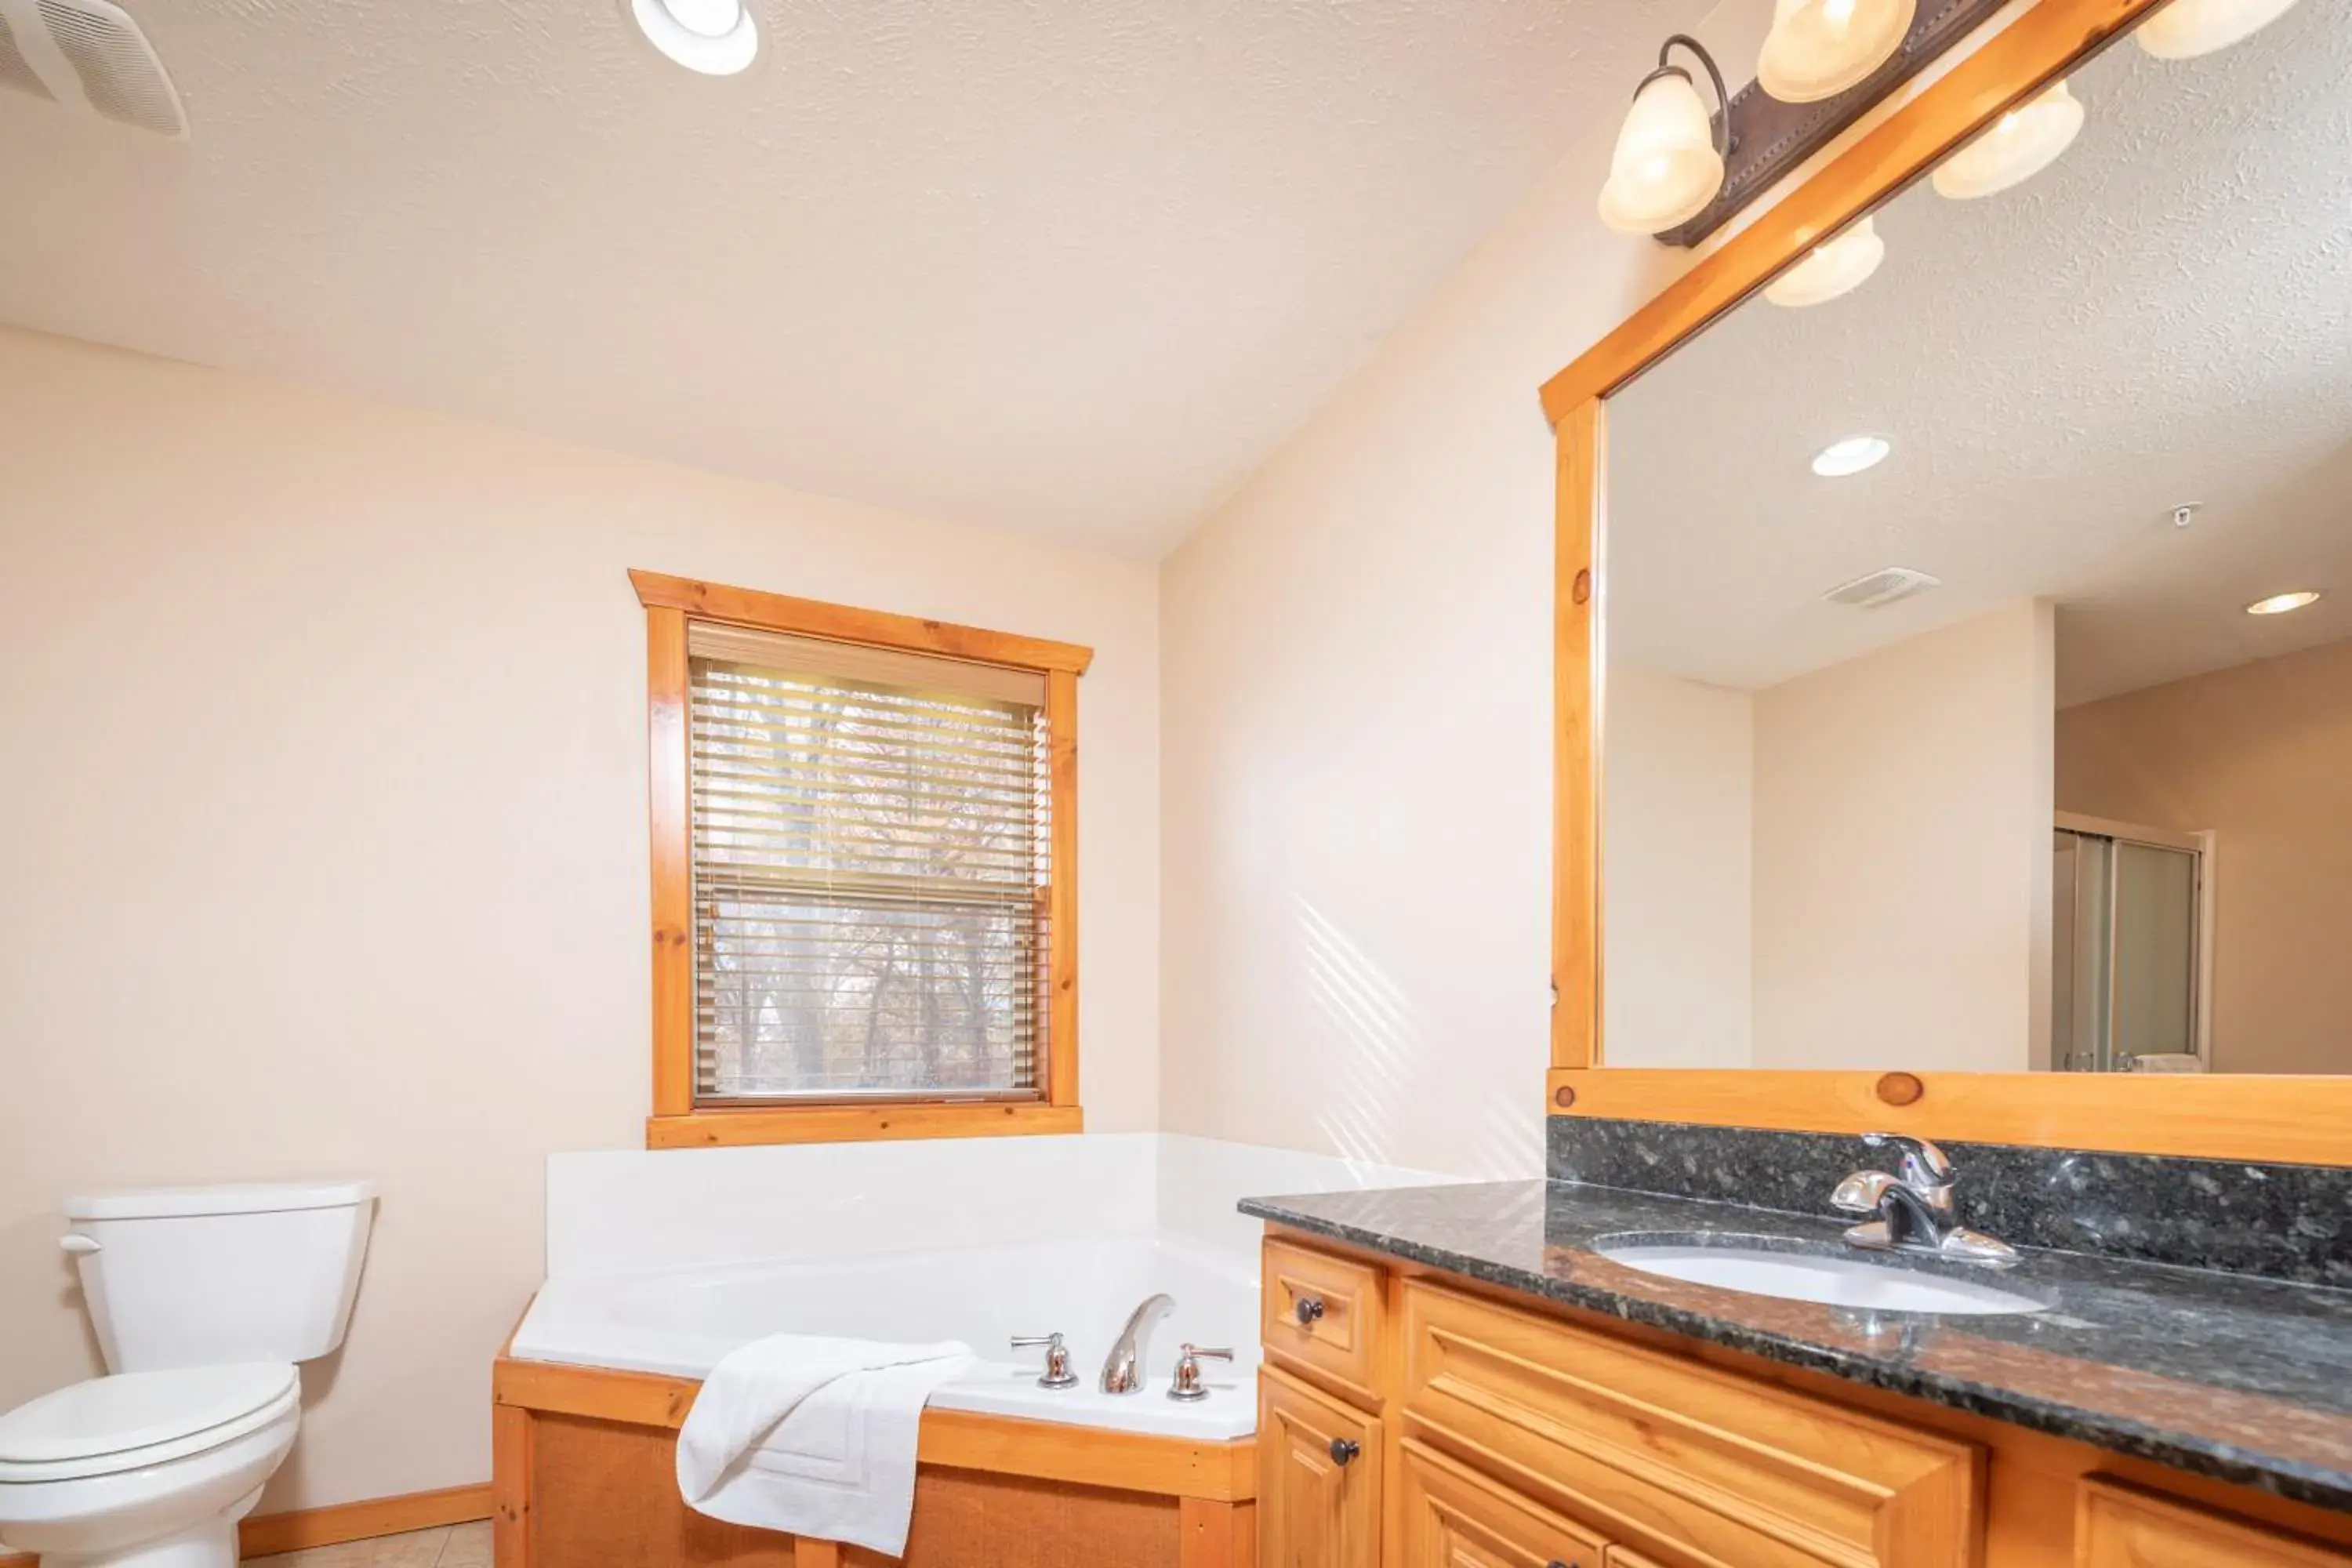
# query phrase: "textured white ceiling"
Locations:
[[2165, 316], [1069, 265]]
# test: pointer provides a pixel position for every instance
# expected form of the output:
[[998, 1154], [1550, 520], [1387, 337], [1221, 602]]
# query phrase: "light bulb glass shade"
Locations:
[[2280, 604], [1665, 168], [717, 37], [2020, 145], [1818, 48], [1836, 267], [2187, 28]]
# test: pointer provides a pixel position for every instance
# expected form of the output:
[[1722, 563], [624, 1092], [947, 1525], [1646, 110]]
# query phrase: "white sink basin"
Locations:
[[1811, 1276]]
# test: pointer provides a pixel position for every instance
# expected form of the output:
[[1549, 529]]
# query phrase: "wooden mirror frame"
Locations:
[[2297, 1118]]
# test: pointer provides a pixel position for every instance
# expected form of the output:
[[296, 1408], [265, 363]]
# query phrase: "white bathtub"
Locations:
[[664, 1262], [681, 1324]]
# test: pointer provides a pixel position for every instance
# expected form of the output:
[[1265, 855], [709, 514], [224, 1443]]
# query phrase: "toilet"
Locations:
[[204, 1298]]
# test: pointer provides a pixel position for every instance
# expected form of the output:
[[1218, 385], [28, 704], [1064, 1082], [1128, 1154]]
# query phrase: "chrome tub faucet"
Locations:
[[1915, 1209], [1122, 1372]]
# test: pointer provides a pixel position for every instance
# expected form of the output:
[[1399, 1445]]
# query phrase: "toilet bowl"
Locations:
[[204, 1298], [145, 1469]]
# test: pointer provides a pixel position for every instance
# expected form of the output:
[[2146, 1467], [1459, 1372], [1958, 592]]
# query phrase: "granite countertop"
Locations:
[[2246, 1379]]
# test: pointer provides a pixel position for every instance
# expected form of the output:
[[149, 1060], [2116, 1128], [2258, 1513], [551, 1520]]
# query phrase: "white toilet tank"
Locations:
[[182, 1277]]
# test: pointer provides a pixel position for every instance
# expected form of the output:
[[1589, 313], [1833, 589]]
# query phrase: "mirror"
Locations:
[[1978, 757]]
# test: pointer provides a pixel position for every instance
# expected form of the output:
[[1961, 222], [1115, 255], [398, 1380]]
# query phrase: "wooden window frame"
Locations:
[[2306, 1118], [677, 1122]]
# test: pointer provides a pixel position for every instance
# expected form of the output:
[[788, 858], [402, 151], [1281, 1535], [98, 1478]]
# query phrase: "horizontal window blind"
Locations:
[[871, 860]]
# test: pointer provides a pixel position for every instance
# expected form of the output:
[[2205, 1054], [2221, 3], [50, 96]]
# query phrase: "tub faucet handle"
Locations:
[[1188, 1384], [1057, 1372]]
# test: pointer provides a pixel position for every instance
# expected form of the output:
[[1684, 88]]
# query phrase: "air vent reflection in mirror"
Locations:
[[1882, 587]]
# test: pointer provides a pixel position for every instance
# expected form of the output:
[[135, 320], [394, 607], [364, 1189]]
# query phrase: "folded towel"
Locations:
[[813, 1437]]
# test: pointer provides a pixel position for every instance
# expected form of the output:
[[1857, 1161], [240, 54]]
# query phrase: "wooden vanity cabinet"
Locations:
[[1408, 1420], [1318, 1490], [1452, 1517], [2124, 1527]]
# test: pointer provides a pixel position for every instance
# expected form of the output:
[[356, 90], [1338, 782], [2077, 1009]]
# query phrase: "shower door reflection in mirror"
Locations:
[[1979, 642]]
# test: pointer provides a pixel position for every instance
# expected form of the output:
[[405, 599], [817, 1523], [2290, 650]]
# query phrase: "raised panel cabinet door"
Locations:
[[2121, 1526], [1456, 1517], [1318, 1494]]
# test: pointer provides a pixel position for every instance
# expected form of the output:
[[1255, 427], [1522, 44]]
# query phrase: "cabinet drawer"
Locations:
[[2119, 1527], [1675, 1458], [1318, 1488], [1324, 1316], [1456, 1517]]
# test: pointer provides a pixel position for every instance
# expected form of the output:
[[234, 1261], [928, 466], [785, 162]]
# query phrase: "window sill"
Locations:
[[855, 1123]]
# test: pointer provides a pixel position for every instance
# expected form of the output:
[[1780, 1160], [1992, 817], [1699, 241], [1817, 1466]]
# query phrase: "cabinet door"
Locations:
[[1456, 1517], [1319, 1491], [2120, 1526]]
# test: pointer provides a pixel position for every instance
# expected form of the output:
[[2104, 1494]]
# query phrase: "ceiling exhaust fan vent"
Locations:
[[88, 55], [1882, 587]]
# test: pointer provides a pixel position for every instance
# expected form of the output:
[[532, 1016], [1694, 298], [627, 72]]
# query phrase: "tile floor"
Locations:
[[451, 1546]]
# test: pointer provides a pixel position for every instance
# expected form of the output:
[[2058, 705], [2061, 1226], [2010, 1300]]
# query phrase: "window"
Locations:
[[864, 894]]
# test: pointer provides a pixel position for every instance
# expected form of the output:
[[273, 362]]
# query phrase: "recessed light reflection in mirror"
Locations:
[[1840, 459], [2280, 604]]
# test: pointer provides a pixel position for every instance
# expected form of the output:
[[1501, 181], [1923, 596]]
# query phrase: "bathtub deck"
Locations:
[[585, 1462]]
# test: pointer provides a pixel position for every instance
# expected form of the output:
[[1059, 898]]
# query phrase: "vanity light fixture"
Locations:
[[1840, 459], [1836, 267], [2020, 145], [2187, 28], [2280, 604], [1818, 48], [717, 37], [1668, 163]]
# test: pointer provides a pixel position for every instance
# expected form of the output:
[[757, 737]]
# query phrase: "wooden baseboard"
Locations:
[[270, 1534]]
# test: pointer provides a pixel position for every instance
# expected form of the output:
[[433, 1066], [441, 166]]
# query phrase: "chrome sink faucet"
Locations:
[[1914, 1207], [1122, 1372]]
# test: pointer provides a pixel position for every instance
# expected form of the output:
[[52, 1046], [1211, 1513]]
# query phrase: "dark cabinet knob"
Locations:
[[1346, 1448], [1308, 1308]]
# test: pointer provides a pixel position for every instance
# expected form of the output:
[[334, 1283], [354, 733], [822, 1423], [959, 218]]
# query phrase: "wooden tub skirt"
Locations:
[[583, 1467]]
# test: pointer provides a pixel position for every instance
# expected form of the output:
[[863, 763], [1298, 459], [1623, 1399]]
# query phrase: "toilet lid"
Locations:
[[137, 1410]]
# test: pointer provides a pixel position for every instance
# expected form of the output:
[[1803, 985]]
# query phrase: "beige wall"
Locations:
[[1678, 786], [2261, 755], [1358, 707], [324, 741], [1356, 722], [1902, 816]]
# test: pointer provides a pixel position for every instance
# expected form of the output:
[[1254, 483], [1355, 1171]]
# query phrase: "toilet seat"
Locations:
[[105, 1426]]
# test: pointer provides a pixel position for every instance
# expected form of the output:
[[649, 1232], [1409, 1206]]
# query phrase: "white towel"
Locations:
[[813, 1437]]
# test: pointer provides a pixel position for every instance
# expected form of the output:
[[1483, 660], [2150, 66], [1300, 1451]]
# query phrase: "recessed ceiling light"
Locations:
[[1850, 456], [717, 37], [2280, 604]]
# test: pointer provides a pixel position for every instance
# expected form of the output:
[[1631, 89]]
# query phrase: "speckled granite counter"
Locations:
[[2248, 1380]]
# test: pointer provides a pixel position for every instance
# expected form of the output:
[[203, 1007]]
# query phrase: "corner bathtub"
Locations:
[[680, 1324], [659, 1263]]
